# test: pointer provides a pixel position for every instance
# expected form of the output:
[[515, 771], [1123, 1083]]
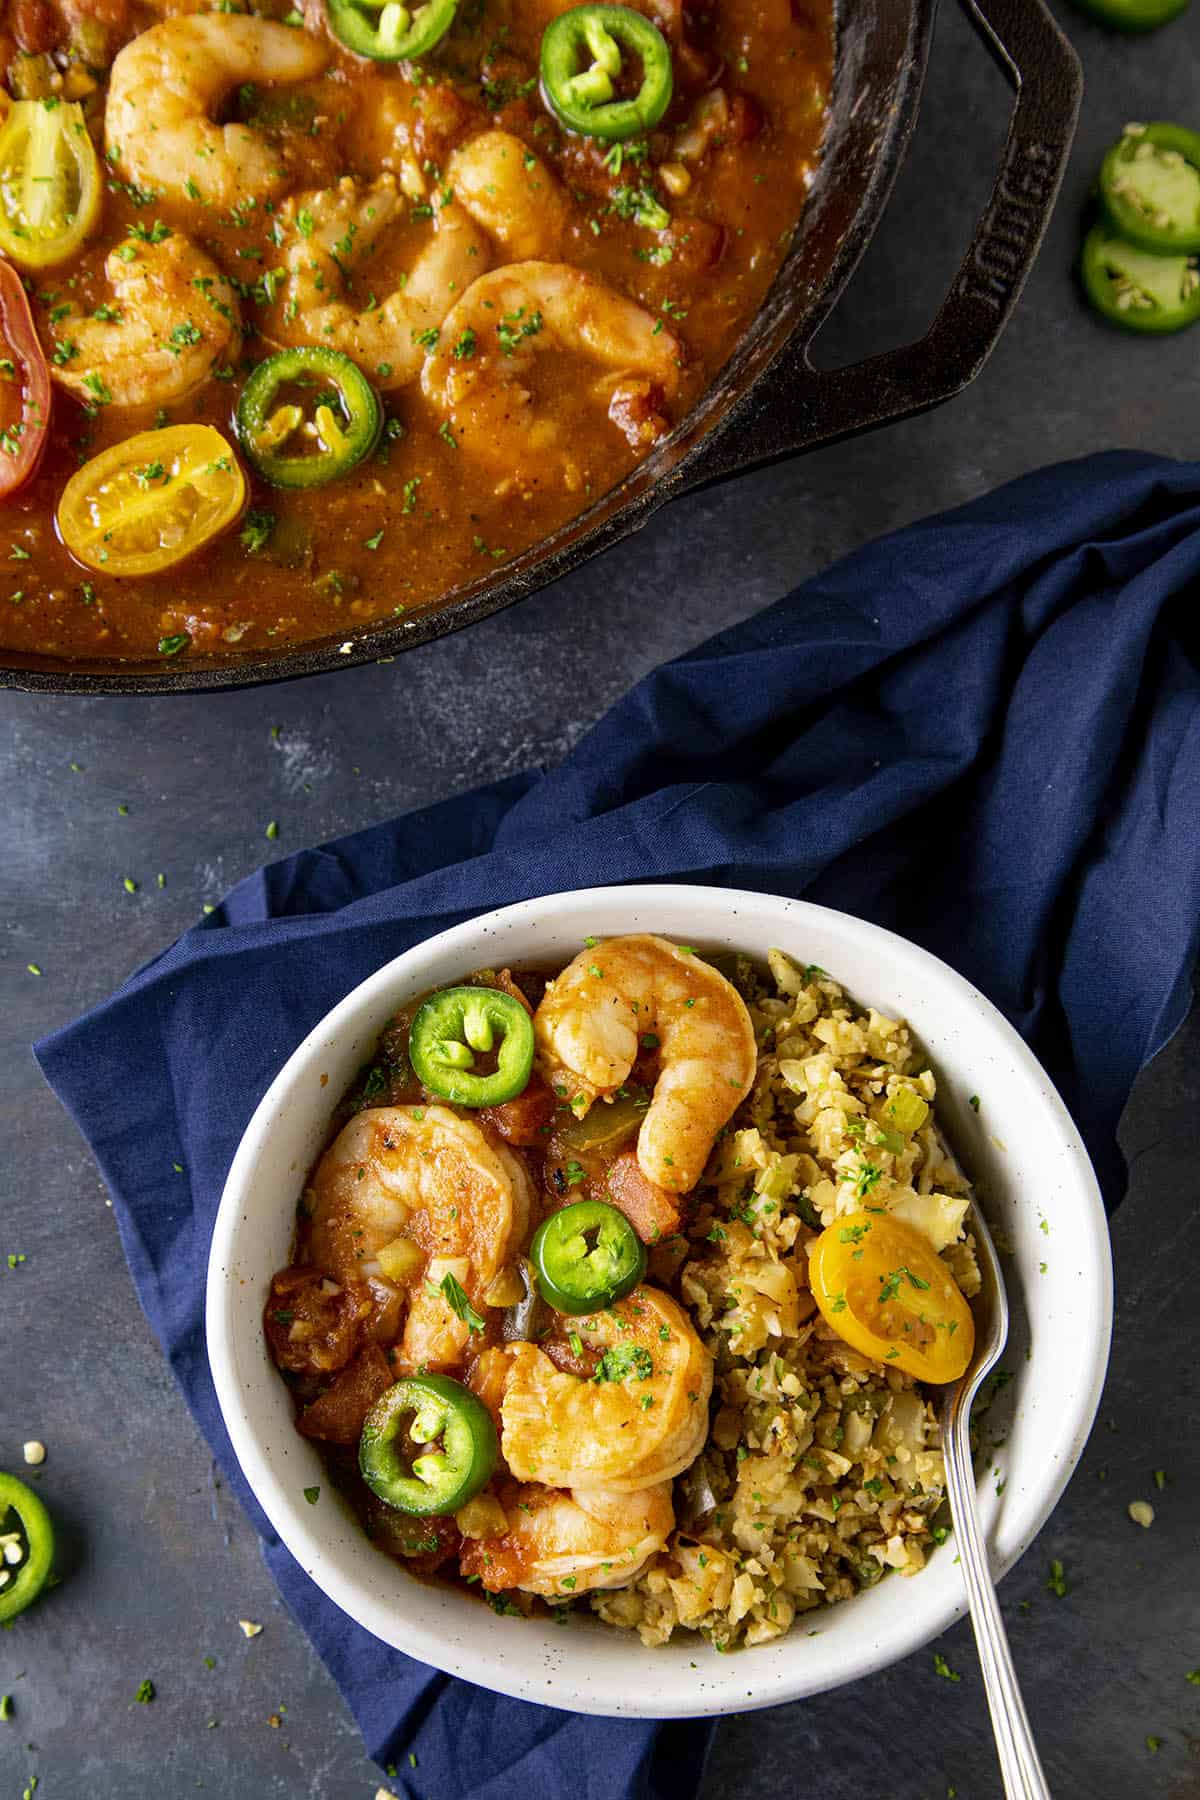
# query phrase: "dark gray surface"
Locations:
[[163, 1562]]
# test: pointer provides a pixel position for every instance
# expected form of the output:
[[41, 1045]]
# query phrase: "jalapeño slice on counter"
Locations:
[[1150, 186], [427, 1446], [308, 416], [585, 51], [586, 1256], [456, 1029], [1137, 289], [1134, 15], [26, 1547], [387, 30]]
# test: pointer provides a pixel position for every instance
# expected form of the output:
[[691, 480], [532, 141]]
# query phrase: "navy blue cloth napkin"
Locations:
[[983, 732]]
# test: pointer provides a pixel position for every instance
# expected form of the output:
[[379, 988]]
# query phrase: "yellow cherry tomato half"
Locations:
[[50, 185], [147, 503], [888, 1294]]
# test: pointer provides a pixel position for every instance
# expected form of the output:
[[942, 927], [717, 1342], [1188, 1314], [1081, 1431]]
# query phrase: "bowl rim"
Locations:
[[302, 1536]]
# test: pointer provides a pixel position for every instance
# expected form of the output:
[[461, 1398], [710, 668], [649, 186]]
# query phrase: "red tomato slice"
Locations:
[[24, 387]]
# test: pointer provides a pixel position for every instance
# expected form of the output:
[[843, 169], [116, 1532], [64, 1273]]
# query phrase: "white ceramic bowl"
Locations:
[[1030, 1170]]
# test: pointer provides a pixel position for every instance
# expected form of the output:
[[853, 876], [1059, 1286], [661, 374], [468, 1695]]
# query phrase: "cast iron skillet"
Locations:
[[769, 401]]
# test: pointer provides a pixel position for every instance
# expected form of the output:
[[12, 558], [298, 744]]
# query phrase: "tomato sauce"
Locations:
[[729, 165]]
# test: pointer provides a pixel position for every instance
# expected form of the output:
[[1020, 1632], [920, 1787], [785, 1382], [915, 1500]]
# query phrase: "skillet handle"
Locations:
[[824, 405]]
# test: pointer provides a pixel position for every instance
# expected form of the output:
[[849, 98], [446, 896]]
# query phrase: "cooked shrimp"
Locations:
[[175, 317], [332, 237], [567, 1543], [415, 1194], [606, 1003], [642, 1419], [167, 83], [511, 193], [517, 314]]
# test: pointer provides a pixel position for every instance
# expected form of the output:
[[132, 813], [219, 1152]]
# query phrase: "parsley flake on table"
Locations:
[[145, 1693], [942, 1667], [1057, 1582]]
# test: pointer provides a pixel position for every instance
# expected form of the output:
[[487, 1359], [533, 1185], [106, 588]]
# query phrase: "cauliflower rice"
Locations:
[[823, 1470]]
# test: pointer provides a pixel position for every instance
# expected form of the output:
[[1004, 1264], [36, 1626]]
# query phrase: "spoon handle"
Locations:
[[1019, 1764]]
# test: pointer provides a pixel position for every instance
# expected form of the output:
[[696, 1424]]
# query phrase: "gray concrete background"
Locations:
[[162, 1562]]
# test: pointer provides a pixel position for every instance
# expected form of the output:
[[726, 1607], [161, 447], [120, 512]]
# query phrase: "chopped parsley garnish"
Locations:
[[98, 388], [635, 150], [889, 1285], [869, 1174], [514, 328], [256, 531], [455, 1296], [942, 1667], [623, 1361], [642, 205]]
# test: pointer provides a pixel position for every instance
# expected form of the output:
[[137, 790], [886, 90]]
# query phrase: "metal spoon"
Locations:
[[1019, 1765]]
